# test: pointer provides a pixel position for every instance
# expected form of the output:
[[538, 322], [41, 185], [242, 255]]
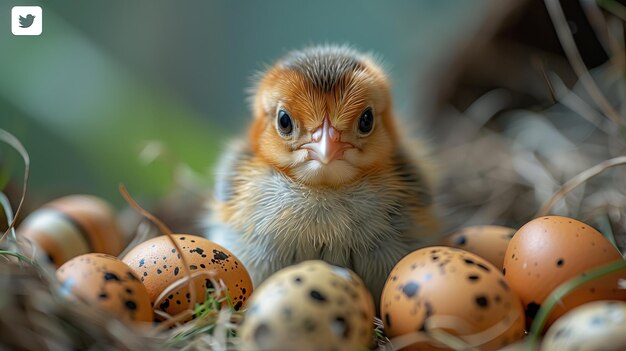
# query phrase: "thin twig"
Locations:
[[17, 145], [578, 180], [572, 101], [8, 213], [597, 21], [538, 63], [165, 230], [609, 37], [614, 7], [573, 56]]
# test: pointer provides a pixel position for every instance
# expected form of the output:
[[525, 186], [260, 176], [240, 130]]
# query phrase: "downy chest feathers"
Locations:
[[271, 218]]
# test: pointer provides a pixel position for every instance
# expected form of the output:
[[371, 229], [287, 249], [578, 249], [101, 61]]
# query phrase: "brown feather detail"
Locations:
[[323, 66]]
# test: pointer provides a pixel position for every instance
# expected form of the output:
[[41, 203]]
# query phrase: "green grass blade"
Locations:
[[563, 290]]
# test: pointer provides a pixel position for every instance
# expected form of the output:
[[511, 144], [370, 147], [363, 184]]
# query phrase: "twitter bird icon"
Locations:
[[27, 21]]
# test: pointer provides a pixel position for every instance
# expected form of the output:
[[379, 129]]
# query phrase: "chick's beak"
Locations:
[[326, 144]]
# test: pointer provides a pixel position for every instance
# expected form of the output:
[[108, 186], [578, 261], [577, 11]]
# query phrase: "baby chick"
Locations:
[[323, 173]]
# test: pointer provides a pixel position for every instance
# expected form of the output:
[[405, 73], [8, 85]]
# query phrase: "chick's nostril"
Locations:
[[334, 134], [317, 135]]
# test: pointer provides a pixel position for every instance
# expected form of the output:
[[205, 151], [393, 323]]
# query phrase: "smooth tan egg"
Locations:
[[159, 264], [454, 290], [548, 251], [71, 226], [487, 241], [107, 283], [599, 325], [309, 306]]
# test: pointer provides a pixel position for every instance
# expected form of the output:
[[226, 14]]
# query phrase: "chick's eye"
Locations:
[[366, 122], [285, 125]]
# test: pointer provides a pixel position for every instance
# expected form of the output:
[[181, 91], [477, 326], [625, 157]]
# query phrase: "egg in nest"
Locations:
[[107, 283], [159, 265], [548, 251], [487, 241], [71, 226], [455, 291], [599, 325], [309, 306]]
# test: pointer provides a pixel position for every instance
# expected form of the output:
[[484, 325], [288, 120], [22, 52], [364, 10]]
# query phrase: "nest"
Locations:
[[523, 125], [34, 317]]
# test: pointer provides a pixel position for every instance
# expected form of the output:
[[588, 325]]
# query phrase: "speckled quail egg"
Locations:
[[159, 264], [548, 251], [453, 290], [599, 325], [71, 226], [309, 306], [107, 283], [487, 241]]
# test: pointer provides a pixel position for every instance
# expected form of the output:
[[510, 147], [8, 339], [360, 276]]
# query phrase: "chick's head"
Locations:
[[323, 116]]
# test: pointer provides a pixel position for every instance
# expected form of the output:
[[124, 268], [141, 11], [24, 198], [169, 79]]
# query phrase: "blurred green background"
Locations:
[[107, 78]]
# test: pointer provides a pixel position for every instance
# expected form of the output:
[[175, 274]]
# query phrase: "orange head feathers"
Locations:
[[323, 116]]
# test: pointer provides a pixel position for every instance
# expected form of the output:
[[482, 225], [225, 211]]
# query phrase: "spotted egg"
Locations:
[[548, 251], [71, 226], [487, 241], [160, 267], [447, 288], [599, 325], [309, 306], [107, 283]]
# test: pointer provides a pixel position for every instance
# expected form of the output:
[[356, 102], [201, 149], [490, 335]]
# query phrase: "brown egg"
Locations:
[[107, 283], [72, 226], [487, 241], [549, 251], [447, 288], [309, 306], [159, 264]]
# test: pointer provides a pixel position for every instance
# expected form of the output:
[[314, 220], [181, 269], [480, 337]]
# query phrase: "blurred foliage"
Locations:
[[84, 118]]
